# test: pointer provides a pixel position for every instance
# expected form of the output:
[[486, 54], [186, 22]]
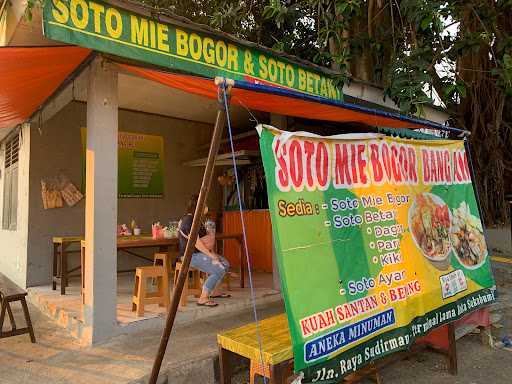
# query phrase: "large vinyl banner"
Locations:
[[378, 240]]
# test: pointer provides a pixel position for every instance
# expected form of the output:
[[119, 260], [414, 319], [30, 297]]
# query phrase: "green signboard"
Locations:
[[378, 241], [140, 164], [106, 28]]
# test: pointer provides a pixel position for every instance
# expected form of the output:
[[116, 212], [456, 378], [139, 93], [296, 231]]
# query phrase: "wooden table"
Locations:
[[61, 252], [127, 244]]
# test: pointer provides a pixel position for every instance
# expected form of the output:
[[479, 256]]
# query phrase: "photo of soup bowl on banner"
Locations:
[[467, 237], [429, 224]]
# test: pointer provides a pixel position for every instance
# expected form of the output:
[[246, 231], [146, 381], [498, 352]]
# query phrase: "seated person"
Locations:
[[203, 256]]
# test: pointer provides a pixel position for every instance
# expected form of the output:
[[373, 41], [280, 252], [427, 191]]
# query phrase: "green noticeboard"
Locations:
[[105, 28], [140, 165]]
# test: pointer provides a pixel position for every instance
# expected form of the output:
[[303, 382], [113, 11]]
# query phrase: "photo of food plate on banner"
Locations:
[[378, 241], [437, 231]]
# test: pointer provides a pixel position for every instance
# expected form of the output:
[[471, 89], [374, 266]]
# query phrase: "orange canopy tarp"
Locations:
[[28, 76], [283, 105]]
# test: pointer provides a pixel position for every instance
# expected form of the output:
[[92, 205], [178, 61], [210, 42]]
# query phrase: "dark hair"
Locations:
[[192, 203]]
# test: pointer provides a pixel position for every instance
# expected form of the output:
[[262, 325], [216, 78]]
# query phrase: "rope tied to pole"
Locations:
[[244, 232]]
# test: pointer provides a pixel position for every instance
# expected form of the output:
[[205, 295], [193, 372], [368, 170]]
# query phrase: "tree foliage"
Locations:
[[459, 52]]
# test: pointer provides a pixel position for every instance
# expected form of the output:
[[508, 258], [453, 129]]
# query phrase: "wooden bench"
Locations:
[[277, 352], [9, 293]]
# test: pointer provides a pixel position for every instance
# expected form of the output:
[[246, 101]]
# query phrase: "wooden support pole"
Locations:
[[220, 122]]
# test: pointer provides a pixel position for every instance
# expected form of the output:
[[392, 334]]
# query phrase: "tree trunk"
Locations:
[[481, 113]]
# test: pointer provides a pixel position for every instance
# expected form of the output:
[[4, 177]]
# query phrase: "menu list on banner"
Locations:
[[378, 241]]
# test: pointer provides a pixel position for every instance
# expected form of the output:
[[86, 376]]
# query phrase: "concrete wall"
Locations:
[[13, 243], [56, 148]]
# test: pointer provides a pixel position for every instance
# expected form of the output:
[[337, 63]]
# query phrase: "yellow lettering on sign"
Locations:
[[232, 57], [209, 50], [139, 31], [181, 42], [302, 79], [263, 67], [221, 53], [316, 78], [281, 67], [272, 70], [61, 14], [248, 64], [162, 39], [323, 88], [82, 20], [114, 29], [97, 10], [332, 90], [152, 34], [309, 80], [194, 44], [290, 75]]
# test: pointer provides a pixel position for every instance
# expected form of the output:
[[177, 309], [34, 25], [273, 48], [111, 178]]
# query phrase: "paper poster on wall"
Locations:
[[140, 165], [378, 241]]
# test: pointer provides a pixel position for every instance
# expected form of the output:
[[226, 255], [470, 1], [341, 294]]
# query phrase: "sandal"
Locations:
[[221, 296], [208, 303]]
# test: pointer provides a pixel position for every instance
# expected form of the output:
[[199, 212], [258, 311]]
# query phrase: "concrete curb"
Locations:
[[70, 320], [502, 272], [199, 370]]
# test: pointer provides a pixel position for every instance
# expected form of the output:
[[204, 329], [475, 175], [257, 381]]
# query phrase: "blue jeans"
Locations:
[[215, 269]]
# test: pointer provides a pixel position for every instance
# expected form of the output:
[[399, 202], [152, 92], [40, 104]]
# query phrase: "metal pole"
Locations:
[[205, 186]]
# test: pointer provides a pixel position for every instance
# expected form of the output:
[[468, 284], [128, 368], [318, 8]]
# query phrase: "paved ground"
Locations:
[[59, 359]]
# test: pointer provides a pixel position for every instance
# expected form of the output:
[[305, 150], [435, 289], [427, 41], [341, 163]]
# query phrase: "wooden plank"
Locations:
[[10, 289], [225, 363], [67, 239], [28, 321], [275, 340], [144, 242], [15, 332]]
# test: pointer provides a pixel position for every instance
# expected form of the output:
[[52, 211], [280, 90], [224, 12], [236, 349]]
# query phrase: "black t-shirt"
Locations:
[[185, 227]]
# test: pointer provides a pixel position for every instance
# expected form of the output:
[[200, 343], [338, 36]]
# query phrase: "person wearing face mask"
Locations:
[[203, 257]]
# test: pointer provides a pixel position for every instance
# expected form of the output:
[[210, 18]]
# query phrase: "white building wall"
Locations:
[[373, 94], [13, 243]]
